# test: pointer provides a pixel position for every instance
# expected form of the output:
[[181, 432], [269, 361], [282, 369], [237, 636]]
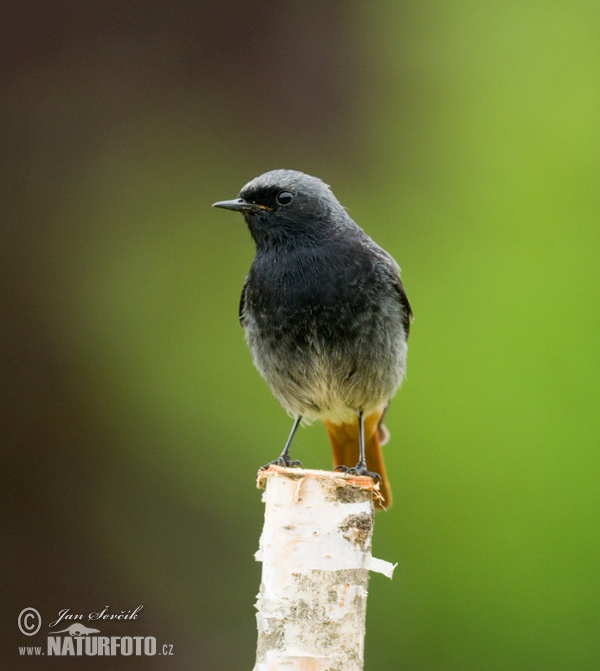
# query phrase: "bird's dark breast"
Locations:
[[314, 295]]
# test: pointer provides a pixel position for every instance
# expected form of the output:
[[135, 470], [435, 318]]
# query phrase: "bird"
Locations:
[[326, 317]]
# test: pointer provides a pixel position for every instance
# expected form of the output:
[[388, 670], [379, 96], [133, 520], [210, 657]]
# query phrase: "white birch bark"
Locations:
[[316, 553]]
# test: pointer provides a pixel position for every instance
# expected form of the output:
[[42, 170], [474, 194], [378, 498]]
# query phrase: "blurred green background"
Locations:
[[465, 138]]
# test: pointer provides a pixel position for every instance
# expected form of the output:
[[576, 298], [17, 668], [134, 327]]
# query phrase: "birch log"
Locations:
[[316, 553]]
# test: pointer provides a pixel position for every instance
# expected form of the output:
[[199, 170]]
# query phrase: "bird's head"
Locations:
[[286, 204]]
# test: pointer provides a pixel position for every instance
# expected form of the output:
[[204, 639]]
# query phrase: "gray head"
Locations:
[[284, 204]]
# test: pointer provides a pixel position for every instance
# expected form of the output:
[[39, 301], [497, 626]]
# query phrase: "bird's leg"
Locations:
[[361, 467], [362, 462], [284, 457]]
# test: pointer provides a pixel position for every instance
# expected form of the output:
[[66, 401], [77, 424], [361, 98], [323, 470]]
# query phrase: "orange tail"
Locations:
[[344, 442]]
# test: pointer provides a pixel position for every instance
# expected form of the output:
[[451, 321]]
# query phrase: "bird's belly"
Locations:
[[330, 378]]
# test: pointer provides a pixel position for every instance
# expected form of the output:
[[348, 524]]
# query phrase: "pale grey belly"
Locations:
[[331, 380]]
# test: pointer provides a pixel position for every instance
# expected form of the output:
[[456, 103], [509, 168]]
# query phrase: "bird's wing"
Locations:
[[243, 302], [407, 310], [394, 273]]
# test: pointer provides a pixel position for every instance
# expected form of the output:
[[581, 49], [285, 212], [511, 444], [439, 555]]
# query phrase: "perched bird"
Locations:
[[325, 314]]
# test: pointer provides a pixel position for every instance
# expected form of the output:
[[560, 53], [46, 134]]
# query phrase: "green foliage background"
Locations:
[[464, 138]]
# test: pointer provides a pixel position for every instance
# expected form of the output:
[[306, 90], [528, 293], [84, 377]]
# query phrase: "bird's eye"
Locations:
[[284, 198]]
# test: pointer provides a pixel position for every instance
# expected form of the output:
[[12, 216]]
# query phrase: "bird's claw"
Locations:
[[284, 462], [359, 469]]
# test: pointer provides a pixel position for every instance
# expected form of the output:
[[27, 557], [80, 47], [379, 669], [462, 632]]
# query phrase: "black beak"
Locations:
[[238, 205]]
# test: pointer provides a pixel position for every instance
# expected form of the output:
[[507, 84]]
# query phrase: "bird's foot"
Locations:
[[359, 469], [284, 462]]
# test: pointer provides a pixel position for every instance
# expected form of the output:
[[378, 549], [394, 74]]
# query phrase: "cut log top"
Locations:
[[336, 480]]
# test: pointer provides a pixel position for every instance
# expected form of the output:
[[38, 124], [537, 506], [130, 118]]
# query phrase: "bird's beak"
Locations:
[[239, 205]]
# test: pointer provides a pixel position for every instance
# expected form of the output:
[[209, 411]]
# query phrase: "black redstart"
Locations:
[[325, 314]]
